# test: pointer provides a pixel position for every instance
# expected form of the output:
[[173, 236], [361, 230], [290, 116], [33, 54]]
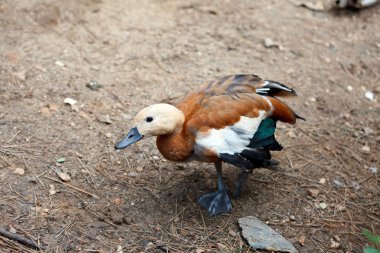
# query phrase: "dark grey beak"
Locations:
[[132, 137]]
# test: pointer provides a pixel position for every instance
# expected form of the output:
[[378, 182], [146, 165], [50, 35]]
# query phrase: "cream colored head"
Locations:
[[159, 119]]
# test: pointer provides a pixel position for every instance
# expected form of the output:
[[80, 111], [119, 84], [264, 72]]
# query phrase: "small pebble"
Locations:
[[119, 249], [127, 220], [133, 174], [322, 205], [150, 246], [59, 63], [369, 95], [334, 244], [52, 190], [104, 119], [21, 75], [355, 185], [268, 42], [19, 171], [12, 229], [93, 85], [322, 180], [292, 218], [70, 101], [367, 130], [336, 238], [338, 183], [373, 169], [349, 88], [366, 149], [108, 135], [341, 208]]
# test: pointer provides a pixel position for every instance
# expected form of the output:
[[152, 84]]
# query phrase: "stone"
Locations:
[[261, 237]]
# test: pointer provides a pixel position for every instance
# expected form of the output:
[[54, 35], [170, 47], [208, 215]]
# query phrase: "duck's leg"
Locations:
[[217, 202], [243, 175]]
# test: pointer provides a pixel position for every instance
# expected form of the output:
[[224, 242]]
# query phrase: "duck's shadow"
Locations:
[[184, 188]]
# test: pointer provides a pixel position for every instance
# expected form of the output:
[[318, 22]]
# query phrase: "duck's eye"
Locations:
[[149, 119]]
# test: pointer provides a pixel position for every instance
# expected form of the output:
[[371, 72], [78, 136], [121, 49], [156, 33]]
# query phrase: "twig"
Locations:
[[65, 228], [14, 136], [24, 241], [342, 221], [31, 171], [88, 171], [73, 187]]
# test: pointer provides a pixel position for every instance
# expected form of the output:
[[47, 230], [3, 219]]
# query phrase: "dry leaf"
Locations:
[[118, 201], [221, 246], [302, 239], [232, 233], [63, 176], [53, 107], [45, 111], [313, 192], [315, 6]]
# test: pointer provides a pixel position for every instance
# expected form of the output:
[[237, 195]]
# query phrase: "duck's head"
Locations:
[[158, 119]]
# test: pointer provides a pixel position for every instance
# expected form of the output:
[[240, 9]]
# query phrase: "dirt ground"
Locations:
[[324, 192]]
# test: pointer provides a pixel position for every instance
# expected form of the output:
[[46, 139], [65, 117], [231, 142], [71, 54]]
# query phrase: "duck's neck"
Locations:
[[176, 146]]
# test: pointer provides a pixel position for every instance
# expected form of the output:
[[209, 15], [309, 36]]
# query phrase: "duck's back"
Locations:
[[234, 119]]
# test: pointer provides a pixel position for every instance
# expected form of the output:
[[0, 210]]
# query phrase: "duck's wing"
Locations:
[[235, 84], [236, 122]]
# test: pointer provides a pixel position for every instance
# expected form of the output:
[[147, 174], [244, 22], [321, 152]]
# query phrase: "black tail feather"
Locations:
[[273, 88], [256, 154]]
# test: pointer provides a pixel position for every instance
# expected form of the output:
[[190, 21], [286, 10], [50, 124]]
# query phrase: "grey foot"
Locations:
[[216, 202], [243, 176]]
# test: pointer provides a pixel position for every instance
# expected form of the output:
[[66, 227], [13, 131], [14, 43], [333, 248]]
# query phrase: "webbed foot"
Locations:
[[216, 202]]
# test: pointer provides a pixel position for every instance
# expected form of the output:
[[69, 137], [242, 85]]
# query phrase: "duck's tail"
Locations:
[[275, 89]]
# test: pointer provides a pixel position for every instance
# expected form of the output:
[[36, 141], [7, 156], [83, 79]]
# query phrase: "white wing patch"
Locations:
[[231, 139]]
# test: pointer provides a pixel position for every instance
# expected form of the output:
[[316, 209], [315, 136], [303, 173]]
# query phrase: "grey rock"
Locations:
[[260, 236]]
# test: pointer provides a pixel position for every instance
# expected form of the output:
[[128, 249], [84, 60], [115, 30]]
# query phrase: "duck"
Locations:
[[228, 120]]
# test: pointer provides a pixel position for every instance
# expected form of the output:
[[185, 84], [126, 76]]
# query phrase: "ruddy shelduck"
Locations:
[[231, 119]]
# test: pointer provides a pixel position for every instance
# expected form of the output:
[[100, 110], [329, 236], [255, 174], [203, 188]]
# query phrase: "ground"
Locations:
[[323, 193]]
